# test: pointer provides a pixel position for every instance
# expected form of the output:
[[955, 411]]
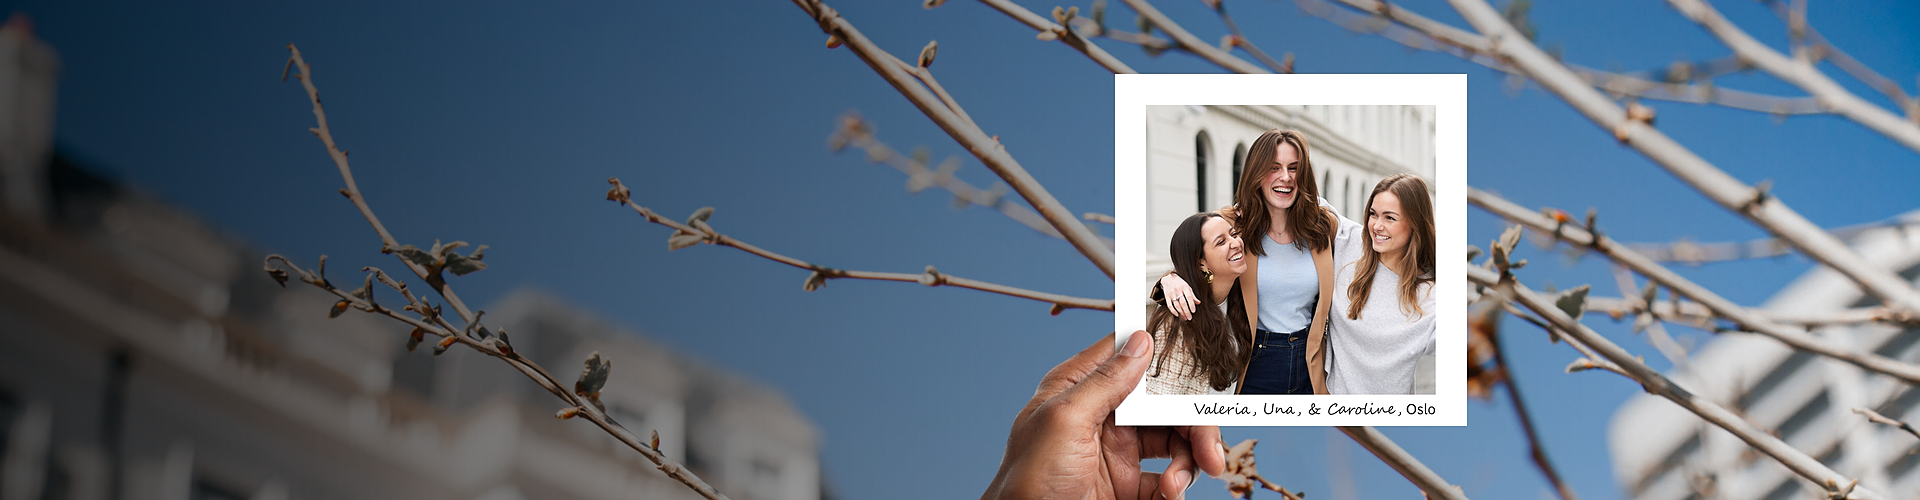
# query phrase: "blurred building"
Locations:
[[145, 356], [1661, 451]]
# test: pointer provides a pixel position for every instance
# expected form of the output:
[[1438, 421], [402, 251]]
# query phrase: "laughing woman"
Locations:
[[1384, 300], [1289, 284], [1202, 355]]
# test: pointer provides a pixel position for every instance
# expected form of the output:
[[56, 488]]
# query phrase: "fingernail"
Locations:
[[1188, 476], [1136, 345]]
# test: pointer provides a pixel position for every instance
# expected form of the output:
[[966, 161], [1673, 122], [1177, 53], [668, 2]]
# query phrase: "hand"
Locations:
[[1179, 297], [1064, 443]]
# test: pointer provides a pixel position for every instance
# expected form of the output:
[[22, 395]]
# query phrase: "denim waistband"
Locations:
[[1263, 334]]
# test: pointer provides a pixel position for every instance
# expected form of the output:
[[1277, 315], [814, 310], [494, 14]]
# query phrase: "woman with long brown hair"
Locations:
[[1288, 286], [1383, 294], [1204, 354]]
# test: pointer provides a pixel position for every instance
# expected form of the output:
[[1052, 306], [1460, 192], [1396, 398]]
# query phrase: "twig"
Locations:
[[1591, 359], [495, 346], [1696, 253], [855, 131], [1877, 418], [1646, 319], [1741, 316], [1435, 486], [1240, 40], [1655, 383], [1800, 72], [1700, 315], [1154, 45], [697, 231], [1419, 32], [1825, 50], [1242, 477], [987, 149], [1192, 43], [1537, 452], [1069, 37]]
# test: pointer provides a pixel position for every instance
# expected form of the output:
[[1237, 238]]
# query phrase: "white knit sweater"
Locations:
[[1375, 354]]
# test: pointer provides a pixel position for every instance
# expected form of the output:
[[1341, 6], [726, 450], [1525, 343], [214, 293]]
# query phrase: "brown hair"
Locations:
[[1417, 209], [1305, 219], [1215, 341]]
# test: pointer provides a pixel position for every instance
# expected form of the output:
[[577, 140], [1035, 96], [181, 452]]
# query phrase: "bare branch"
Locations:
[[1645, 319], [1589, 360], [1242, 477], [1419, 32], [1634, 129], [1655, 383], [1240, 40], [1696, 253], [1535, 450], [1693, 314], [1192, 43], [698, 231], [988, 149], [1800, 72], [495, 346], [1152, 44], [1408, 466], [1822, 49], [1798, 339], [1071, 38], [1876, 417], [855, 131]]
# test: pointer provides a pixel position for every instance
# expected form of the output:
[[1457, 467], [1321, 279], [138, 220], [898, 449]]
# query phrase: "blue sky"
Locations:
[[497, 123]]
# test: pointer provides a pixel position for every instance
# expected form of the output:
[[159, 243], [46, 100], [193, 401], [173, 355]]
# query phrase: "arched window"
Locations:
[[1239, 166], [1323, 187], [1200, 171], [1349, 194]]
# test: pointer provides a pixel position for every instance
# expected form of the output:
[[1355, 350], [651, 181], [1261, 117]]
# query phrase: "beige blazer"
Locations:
[[1317, 333]]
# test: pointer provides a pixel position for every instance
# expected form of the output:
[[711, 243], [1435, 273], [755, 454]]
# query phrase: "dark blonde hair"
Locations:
[[1417, 209], [1214, 340], [1305, 219]]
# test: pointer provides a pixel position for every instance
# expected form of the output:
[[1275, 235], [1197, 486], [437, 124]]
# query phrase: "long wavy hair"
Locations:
[[1417, 210], [1305, 220], [1217, 342]]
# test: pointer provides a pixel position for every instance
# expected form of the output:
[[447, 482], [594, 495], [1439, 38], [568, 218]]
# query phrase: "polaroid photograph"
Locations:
[[1293, 244]]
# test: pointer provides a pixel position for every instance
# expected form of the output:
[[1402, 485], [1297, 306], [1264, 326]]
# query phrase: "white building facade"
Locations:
[[1195, 155], [1663, 452]]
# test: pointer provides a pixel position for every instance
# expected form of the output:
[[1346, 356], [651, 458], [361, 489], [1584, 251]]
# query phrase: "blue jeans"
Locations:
[[1279, 364]]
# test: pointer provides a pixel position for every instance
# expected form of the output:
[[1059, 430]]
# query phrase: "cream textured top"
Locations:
[[1177, 376]]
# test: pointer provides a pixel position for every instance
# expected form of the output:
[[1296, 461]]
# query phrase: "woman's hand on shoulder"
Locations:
[[1178, 296]]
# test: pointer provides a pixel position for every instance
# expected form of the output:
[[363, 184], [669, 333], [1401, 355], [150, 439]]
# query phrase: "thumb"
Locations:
[[1103, 389]]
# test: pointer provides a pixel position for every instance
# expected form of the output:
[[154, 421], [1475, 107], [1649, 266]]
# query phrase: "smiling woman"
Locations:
[[1383, 292], [1206, 353]]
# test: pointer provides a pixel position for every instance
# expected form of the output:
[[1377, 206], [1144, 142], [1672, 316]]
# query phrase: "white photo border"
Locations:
[[1447, 93]]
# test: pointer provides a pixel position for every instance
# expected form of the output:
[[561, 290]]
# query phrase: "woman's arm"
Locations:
[[1174, 293], [1348, 236]]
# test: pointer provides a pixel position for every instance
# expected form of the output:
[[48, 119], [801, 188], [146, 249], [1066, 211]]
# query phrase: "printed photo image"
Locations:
[[1303, 248], [1287, 260]]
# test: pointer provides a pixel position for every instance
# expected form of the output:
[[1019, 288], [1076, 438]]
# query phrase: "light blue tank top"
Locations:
[[1288, 287]]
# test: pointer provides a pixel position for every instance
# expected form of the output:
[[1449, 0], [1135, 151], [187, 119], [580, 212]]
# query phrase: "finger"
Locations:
[[1179, 474], [1070, 372], [1209, 452], [1150, 488], [1103, 388]]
